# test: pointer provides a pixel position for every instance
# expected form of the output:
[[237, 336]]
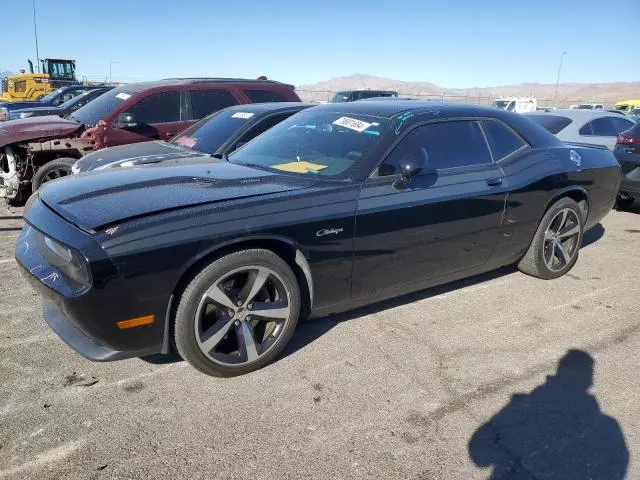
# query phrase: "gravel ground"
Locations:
[[451, 382]]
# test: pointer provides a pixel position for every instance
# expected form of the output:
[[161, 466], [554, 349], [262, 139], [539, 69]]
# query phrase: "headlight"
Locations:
[[68, 261], [25, 114], [75, 168]]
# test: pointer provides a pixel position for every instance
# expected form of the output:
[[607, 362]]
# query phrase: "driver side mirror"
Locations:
[[409, 166], [126, 120]]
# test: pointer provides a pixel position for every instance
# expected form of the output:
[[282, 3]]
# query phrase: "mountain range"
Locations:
[[568, 93]]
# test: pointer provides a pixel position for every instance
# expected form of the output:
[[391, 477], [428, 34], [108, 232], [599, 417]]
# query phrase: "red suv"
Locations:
[[35, 150]]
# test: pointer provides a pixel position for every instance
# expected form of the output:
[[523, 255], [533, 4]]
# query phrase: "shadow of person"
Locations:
[[556, 432]]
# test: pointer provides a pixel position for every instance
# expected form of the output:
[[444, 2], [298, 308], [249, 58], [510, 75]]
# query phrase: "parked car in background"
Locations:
[[216, 135], [516, 104], [593, 127], [53, 99], [335, 207], [627, 152], [627, 105], [66, 108], [588, 106], [34, 150], [353, 95]]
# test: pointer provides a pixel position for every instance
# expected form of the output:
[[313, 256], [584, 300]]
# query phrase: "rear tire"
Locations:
[[623, 203], [58, 168], [238, 313], [556, 243]]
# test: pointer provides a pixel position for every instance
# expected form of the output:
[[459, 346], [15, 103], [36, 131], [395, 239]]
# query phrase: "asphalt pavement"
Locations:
[[503, 373]]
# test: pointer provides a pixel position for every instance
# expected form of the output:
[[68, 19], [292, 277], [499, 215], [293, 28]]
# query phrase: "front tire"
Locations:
[[556, 243], [58, 168], [238, 313]]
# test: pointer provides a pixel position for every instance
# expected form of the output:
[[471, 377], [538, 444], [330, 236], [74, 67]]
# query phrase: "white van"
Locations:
[[516, 104]]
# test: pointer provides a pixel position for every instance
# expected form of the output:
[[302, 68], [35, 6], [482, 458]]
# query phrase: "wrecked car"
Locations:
[[36, 150]]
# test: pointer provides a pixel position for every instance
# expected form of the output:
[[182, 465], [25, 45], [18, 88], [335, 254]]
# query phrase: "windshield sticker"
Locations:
[[187, 142], [401, 119], [300, 167], [123, 96], [245, 115], [352, 124]]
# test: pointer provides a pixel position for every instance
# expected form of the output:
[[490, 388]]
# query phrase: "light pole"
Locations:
[[111, 62], [555, 100], [35, 33]]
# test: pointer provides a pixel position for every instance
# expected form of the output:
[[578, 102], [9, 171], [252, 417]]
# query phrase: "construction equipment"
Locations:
[[56, 73]]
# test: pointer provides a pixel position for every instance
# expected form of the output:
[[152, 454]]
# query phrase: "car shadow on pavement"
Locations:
[[592, 235], [555, 432]]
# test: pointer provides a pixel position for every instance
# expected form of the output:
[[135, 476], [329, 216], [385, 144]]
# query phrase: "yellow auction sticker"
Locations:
[[300, 167]]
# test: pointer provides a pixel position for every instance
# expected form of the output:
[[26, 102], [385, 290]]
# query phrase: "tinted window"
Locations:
[[440, 146], [316, 143], [264, 96], [586, 129], [502, 140], [205, 102], [157, 108], [553, 123], [635, 129], [604, 127], [102, 106], [620, 124], [263, 126]]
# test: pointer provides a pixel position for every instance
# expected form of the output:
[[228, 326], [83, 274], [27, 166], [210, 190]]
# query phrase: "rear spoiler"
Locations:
[[587, 145]]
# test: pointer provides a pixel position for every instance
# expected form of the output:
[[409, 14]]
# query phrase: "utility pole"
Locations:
[[555, 100], [35, 32], [111, 62]]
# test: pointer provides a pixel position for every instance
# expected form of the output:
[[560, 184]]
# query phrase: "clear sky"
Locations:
[[453, 43]]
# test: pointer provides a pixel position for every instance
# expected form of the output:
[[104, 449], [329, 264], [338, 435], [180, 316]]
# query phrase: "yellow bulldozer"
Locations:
[[24, 87]]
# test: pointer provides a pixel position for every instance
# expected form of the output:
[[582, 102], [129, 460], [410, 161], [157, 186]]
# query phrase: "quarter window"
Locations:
[[502, 140], [620, 124], [158, 108], [440, 146], [205, 102], [586, 129], [264, 96]]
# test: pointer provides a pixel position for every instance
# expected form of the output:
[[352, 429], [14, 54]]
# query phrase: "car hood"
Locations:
[[11, 106], [145, 153], [36, 127], [93, 201], [41, 110]]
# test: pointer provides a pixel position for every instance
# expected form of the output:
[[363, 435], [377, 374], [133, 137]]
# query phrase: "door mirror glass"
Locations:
[[127, 120]]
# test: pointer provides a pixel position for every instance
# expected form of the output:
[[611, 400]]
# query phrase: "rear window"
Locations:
[[553, 123], [502, 140], [205, 102], [264, 96], [102, 106], [635, 129]]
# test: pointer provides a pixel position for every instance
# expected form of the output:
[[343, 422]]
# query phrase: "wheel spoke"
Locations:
[[275, 310], [569, 232], [216, 294], [215, 333], [549, 252], [563, 219], [548, 235], [255, 282], [564, 255], [248, 342]]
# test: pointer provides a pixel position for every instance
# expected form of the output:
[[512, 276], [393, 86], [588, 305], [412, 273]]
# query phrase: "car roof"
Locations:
[[391, 108], [260, 108], [170, 82], [575, 114]]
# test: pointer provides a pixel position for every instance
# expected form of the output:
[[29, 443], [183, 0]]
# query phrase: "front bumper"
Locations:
[[86, 318]]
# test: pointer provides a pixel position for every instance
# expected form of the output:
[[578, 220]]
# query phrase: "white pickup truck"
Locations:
[[516, 104]]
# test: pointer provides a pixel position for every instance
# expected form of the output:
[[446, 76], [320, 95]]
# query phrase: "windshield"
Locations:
[[102, 106], [51, 96], [339, 97], [501, 103], [553, 123], [315, 143], [210, 133]]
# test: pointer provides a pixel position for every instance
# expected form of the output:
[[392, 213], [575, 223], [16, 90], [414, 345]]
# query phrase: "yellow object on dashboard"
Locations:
[[300, 167]]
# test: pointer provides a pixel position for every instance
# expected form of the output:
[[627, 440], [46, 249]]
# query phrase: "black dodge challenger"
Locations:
[[338, 206]]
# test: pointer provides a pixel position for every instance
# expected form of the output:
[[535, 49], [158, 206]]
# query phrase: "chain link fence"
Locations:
[[324, 95]]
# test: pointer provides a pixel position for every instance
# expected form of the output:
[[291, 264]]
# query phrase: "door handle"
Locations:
[[494, 182]]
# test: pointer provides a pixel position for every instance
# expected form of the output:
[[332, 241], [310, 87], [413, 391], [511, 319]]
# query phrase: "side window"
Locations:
[[620, 124], [205, 102], [604, 127], [157, 108], [264, 126], [502, 140], [440, 146], [264, 96], [586, 129]]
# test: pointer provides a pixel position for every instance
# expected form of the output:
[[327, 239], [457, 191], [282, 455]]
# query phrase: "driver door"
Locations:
[[156, 117], [445, 219]]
